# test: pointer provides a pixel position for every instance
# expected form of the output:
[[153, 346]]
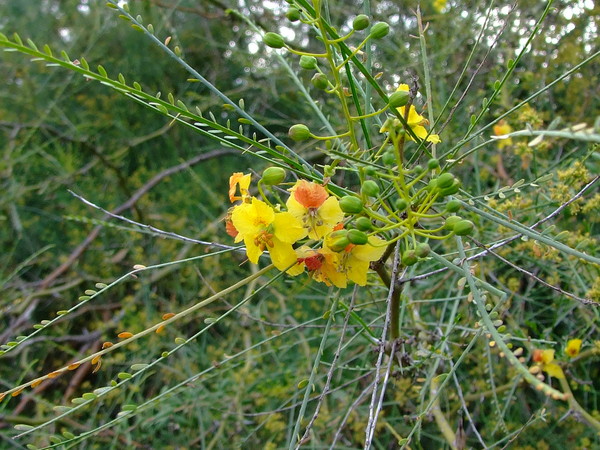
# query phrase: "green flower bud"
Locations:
[[357, 237], [293, 14], [351, 205], [453, 189], [451, 221], [299, 132], [338, 240], [445, 180], [273, 175], [319, 81], [453, 206], [380, 30], [363, 224], [422, 250], [273, 40], [401, 205], [433, 163], [371, 171], [308, 62], [389, 159], [432, 184], [360, 22], [418, 169], [463, 227], [370, 188], [409, 258], [398, 99]]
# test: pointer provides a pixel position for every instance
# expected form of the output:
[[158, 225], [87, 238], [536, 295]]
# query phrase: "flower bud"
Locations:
[[453, 206], [308, 62], [360, 22], [273, 175], [357, 237], [451, 221], [398, 99], [409, 258], [433, 163], [453, 189], [371, 171], [445, 180], [351, 205], [422, 250], [319, 81], [363, 224], [338, 240], [418, 169], [463, 227], [299, 132], [273, 40], [370, 188], [293, 14], [401, 205], [380, 30], [389, 159]]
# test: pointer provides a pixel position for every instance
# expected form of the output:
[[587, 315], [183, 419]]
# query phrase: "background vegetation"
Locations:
[[244, 379]]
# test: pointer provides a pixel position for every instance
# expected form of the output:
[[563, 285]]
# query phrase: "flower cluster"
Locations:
[[314, 221]]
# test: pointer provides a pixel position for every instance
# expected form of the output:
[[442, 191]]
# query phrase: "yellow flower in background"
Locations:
[[573, 347], [545, 359], [354, 260], [500, 129], [318, 211], [261, 228], [241, 180], [415, 121]]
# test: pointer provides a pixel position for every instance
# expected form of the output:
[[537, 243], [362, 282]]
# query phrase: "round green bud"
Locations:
[[363, 224], [418, 169], [398, 99], [273, 175], [422, 250], [380, 30], [273, 40], [433, 163], [308, 62], [319, 81], [293, 14], [445, 180], [389, 159], [453, 189], [351, 205], [338, 240], [370, 188], [432, 184], [360, 22], [463, 227], [453, 206], [451, 221], [371, 171], [357, 237], [401, 205], [299, 132], [409, 258]]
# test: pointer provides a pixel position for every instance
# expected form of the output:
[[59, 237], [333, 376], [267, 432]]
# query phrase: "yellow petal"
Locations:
[[371, 251], [573, 347], [287, 228], [547, 356], [356, 270], [553, 370], [403, 87], [250, 218], [282, 254], [238, 178], [252, 250], [329, 215]]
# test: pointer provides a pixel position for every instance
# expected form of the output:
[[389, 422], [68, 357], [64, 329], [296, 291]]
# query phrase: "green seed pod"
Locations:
[[273, 40], [401, 205], [338, 240], [371, 171], [273, 176], [433, 163], [360, 22], [357, 237], [453, 189], [363, 224], [451, 221], [389, 159], [370, 188], [409, 258], [351, 205], [453, 206], [319, 81], [293, 14], [445, 180], [308, 62], [422, 250], [299, 132], [398, 99], [463, 227], [380, 30]]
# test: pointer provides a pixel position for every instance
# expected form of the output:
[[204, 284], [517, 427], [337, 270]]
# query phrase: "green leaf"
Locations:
[[84, 63], [23, 427], [102, 72], [47, 50], [136, 367], [124, 375], [32, 45]]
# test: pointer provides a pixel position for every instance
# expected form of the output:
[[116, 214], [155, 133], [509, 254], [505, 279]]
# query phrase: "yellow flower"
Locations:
[[573, 347], [415, 121], [322, 265], [545, 359], [238, 178], [501, 129], [354, 260], [311, 204], [260, 227]]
